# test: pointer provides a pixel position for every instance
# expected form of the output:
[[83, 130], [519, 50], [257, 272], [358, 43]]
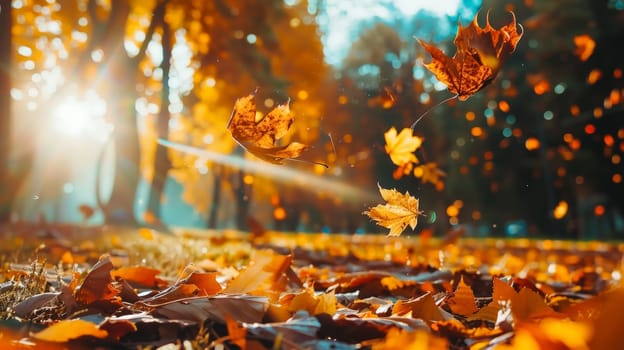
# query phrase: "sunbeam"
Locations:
[[279, 173]]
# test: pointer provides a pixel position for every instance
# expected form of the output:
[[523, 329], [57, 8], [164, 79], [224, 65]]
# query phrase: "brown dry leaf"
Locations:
[[139, 275], [117, 327], [179, 291], [400, 211], [463, 302], [242, 308], [66, 330], [480, 55], [259, 137], [86, 210], [97, 284]]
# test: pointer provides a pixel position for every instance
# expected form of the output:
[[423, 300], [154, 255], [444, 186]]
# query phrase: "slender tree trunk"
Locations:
[[213, 212], [6, 187], [242, 196], [125, 136], [162, 164]]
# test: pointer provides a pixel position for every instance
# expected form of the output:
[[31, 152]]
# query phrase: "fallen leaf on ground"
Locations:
[[97, 285], [139, 275], [463, 301], [419, 340], [423, 307], [236, 332], [263, 273], [66, 330]]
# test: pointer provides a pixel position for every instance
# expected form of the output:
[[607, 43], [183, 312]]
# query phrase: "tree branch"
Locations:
[[158, 19]]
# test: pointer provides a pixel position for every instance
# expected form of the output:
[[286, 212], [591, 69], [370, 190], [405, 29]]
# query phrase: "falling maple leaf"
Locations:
[[400, 211], [401, 146], [259, 137], [480, 54], [429, 173]]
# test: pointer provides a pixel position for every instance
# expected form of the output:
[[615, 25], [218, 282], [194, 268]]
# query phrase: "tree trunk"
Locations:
[[125, 137], [213, 212], [6, 187], [242, 197], [162, 164]]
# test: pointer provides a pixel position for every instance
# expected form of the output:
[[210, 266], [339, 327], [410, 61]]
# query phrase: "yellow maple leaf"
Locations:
[[400, 211], [259, 137], [401, 146]]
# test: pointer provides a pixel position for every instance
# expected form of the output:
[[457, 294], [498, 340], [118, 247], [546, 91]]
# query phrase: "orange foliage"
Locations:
[[259, 137], [66, 330], [480, 55]]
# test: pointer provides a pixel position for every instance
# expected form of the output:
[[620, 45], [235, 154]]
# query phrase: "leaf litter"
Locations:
[[311, 291]]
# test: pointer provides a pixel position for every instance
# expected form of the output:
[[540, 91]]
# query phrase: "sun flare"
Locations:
[[81, 116]]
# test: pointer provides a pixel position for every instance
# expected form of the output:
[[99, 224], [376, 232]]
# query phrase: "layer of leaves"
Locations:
[[318, 291]]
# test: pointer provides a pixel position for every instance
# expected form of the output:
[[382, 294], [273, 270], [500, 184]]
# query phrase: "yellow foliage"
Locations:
[[400, 211]]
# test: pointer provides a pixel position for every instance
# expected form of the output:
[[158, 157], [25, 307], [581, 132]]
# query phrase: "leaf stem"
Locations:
[[413, 126]]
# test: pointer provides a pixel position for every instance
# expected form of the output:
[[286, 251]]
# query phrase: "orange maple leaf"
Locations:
[[259, 137], [463, 301], [479, 56]]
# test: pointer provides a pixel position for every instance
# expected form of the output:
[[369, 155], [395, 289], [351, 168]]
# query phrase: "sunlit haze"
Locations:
[[343, 18]]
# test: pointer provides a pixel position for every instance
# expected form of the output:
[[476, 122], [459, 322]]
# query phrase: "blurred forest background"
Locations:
[[87, 87]]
